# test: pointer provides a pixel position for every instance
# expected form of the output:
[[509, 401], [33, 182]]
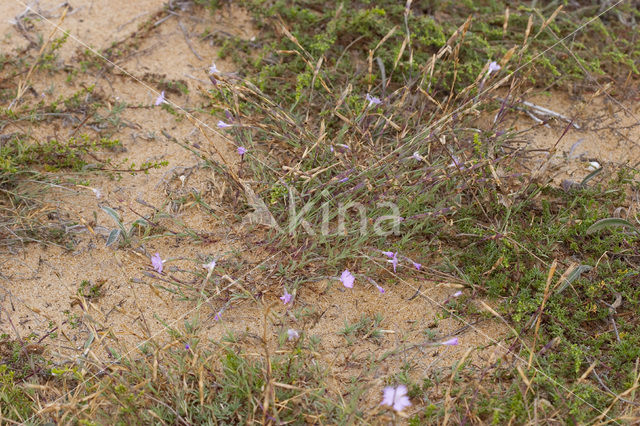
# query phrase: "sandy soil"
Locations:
[[603, 130], [45, 280]]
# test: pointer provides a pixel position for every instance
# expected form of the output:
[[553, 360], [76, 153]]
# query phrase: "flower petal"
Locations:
[[450, 342], [387, 396], [156, 262], [160, 99], [286, 297], [347, 279]]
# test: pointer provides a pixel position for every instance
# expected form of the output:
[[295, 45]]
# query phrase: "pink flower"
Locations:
[[156, 262], [209, 266], [493, 67], [450, 342], [347, 279], [218, 315], [456, 163], [416, 155], [373, 100], [286, 298], [223, 125], [380, 289], [160, 99], [394, 260], [242, 150], [396, 398], [292, 334], [457, 294], [417, 265], [213, 69]]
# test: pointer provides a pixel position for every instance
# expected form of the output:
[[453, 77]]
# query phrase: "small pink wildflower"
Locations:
[[286, 297], [373, 100], [394, 260], [457, 294], [97, 193], [493, 67], [450, 342], [209, 266], [292, 334], [416, 155], [160, 99], [396, 398], [218, 315], [347, 279], [417, 265], [456, 162], [156, 262], [213, 69], [242, 150], [223, 125], [380, 289]]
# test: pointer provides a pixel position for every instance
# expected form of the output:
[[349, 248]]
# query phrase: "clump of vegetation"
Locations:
[[378, 104], [374, 109]]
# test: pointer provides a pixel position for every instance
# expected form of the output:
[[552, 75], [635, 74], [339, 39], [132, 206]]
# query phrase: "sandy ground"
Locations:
[[39, 285], [50, 277], [592, 129]]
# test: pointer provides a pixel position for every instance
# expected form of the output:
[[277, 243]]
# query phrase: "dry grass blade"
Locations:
[[23, 85], [547, 292]]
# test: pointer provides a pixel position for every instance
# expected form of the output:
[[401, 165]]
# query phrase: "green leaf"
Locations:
[[574, 275], [609, 223], [113, 237], [140, 222], [114, 215], [591, 175]]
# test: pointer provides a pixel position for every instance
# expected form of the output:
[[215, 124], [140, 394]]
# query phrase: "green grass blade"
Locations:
[[574, 275], [609, 223], [590, 176]]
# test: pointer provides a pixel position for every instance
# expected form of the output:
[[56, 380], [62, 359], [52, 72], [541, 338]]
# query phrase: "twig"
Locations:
[[595, 373], [160, 21], [546, 111], [541, 110], [186, 38], [131, 20], [196, 79], [612, 311], [536, 119]]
